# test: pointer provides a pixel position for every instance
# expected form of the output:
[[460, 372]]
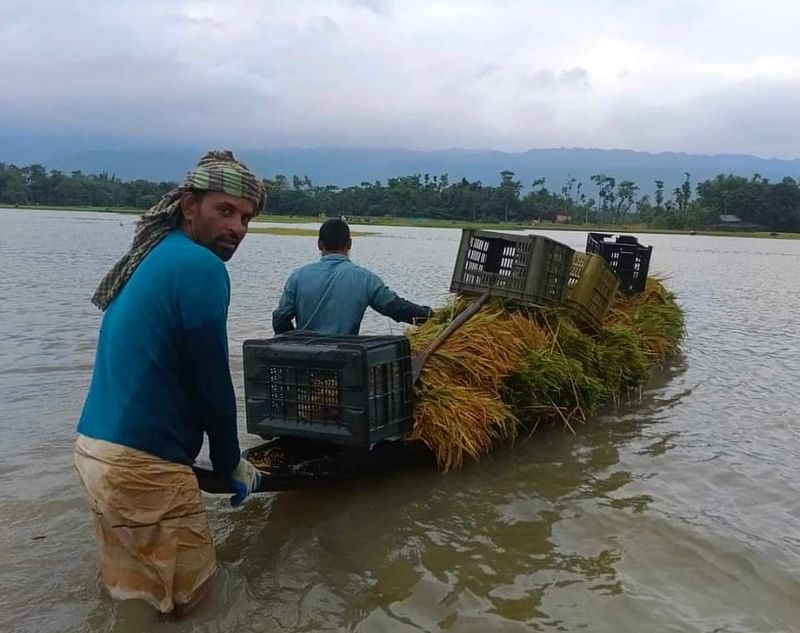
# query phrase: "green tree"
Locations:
[[509, 193]]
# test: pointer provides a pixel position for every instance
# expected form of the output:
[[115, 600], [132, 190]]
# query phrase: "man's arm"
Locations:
[[388, 303], [204, 313], [282, 316]]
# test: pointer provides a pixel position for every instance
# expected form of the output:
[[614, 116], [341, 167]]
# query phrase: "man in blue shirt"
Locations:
[[331, 295], [161, 381]]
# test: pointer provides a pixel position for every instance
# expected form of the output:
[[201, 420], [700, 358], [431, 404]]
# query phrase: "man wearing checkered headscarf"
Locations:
[[216, 171], [161, 382]]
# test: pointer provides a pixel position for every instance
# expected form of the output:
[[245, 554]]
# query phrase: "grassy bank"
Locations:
[[280, 230], [434, 223], [87, 209]]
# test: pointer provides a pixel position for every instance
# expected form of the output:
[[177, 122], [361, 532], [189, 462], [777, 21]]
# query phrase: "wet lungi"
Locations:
[[152, 530]]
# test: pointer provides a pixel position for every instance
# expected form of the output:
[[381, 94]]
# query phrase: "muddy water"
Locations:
[[680, 511]]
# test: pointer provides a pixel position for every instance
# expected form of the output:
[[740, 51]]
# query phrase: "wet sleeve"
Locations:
[[204, 303], [282, 316], [388, 303]]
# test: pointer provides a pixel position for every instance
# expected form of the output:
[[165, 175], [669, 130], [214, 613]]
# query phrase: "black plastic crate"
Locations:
[[528, 268], [348, 390], [625, 256]]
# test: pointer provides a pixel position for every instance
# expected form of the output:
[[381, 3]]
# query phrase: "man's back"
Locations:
[[161, 375], [331, 295]]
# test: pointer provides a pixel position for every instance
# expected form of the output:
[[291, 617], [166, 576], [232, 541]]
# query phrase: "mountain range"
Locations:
[[352, 166]]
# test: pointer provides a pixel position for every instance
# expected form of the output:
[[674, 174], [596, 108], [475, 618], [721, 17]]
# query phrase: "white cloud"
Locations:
[[716, 76]]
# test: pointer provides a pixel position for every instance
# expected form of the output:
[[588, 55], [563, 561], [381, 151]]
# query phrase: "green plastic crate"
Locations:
[[591, 289], [531, 269]]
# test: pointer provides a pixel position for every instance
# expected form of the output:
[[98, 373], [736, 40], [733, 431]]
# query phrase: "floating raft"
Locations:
[[507, 369]]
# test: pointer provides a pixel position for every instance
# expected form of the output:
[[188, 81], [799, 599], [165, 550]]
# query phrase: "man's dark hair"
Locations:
[[198, 194], [334, 234]]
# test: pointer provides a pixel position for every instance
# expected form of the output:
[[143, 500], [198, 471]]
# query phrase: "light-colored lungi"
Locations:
[[152, 530]]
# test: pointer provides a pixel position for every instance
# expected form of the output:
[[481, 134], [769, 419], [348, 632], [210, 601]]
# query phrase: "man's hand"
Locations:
[[246, 478], [419, 320]]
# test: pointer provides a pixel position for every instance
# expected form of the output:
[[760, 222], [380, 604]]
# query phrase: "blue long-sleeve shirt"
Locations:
[[331, 295], [161, 375]]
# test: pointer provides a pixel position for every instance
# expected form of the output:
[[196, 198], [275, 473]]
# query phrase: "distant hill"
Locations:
[[340, 166]]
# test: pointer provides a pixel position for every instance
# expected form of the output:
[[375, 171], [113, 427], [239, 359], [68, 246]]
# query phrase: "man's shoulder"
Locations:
[[311, 268], [303, 270], [342, 267], [361, 271], [179, 251], [345, 263], [178, 265]]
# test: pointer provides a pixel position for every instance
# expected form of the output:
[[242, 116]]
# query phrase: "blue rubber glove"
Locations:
[[246, 478]]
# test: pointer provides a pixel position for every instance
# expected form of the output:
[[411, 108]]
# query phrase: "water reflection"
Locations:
[[380, 554]]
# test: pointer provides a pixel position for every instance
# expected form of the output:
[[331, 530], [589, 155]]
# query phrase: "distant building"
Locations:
[[732, 222], [562, 218]]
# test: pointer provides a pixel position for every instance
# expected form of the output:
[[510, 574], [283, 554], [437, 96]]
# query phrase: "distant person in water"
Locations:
[[330, 296], [161, 381]]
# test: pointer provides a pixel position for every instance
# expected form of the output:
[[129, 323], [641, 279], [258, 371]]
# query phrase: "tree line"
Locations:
[[34, 185], [755, 201]]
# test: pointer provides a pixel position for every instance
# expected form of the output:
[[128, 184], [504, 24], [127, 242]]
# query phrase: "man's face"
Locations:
[[217, 221]]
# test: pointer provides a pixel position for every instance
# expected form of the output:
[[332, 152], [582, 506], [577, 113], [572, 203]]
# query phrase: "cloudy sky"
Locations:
[[704, 76]]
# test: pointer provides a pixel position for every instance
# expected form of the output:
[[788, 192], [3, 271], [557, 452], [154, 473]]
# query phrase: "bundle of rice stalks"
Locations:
[[460, 409], [458, 422], [510, 366], [653, 317], [482, 353], [622, 362]]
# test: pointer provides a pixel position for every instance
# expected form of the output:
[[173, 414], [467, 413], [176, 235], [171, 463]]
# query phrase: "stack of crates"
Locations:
[[348, 390], [625, 256], [530, 269], [591, 289]]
